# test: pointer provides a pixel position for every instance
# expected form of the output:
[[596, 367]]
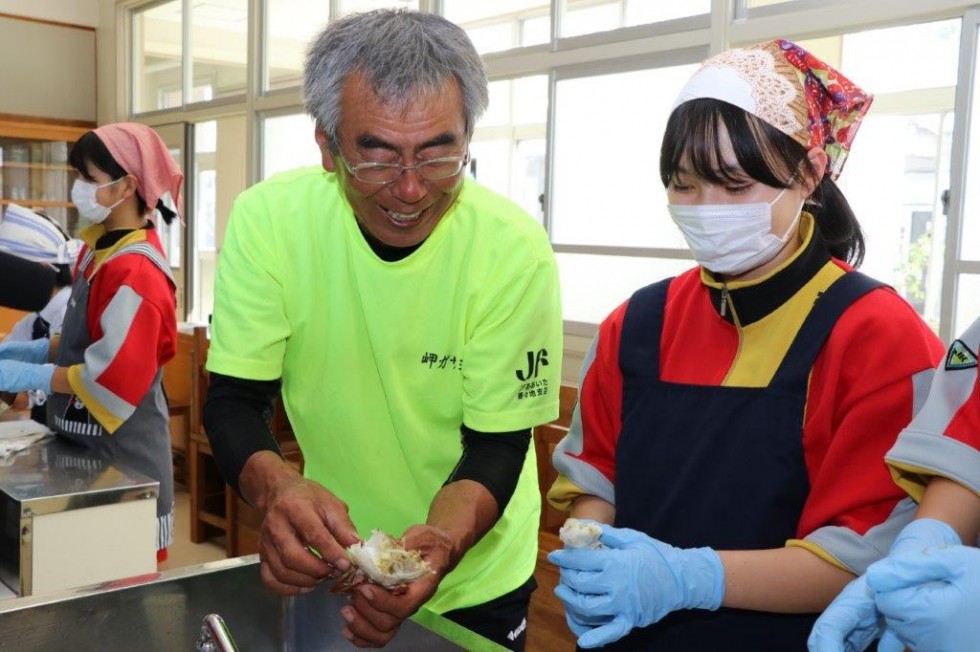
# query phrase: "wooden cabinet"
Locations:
[[34, 169]]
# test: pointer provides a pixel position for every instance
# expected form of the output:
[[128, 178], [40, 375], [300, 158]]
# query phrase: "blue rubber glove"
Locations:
[[579, 623], [16, 376], [851, 622], [924, 533], [636, 580], [35, 351], [929, 598]]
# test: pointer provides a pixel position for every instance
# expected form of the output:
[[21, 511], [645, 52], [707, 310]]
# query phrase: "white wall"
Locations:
[[47, 70], [74, 12]]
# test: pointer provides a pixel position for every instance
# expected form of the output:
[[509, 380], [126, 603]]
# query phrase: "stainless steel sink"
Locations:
[[164, 611]]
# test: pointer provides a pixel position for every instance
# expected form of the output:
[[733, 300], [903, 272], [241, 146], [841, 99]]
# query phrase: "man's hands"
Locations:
[[299, 516], [375, 614]]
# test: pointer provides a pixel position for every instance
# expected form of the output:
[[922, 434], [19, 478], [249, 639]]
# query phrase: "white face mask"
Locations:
[[731, 238], [83, 196]]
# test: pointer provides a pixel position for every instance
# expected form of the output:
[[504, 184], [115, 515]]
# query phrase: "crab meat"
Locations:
[[381, 560], [576, 533]]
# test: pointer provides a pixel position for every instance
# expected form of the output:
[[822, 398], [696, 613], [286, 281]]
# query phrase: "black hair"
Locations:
[[90, 149], [764, 153]]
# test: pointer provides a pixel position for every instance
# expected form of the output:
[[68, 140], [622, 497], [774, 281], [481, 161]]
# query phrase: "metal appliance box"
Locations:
[[69, 518]]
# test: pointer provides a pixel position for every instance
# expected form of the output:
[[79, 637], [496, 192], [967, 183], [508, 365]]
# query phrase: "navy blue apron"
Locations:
[[717, 466]]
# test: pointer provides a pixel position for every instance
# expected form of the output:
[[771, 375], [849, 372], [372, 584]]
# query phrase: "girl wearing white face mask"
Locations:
[[120, 328], [732, 421]]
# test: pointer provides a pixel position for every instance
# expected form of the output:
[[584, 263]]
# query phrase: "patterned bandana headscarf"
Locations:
[[786, 86], [142, 153]]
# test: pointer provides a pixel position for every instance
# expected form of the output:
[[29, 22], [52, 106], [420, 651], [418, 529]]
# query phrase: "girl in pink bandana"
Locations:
[[120, 328]]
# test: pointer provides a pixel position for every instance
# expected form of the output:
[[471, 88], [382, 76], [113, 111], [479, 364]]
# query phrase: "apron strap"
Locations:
[[794, 371], [642, 326]]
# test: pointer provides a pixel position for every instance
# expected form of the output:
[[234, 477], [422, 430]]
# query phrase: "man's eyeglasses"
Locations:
[[385, 173]]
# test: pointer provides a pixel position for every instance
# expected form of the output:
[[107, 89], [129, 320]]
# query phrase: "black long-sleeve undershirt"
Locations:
[[238, 410]]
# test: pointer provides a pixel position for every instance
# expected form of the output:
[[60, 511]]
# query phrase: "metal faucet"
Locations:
[[215, 636]]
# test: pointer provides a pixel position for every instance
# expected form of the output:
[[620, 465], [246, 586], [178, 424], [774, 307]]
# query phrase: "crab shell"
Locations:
[[381, 560], [577, 533]]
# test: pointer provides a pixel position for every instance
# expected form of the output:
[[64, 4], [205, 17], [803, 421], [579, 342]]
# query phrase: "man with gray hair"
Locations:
[[410, 318]]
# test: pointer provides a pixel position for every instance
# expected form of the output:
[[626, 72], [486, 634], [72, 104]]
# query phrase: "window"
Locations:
[[608, 130], [588, 16], [217, 172], [900, 164], [219, 47], [970, 227], [508, 148], [350, 6], [290, 26], [158, 45], [502, 24], [218, 52], [288, 142], [967, 302], [593, 285], [591, 176], [893, 181]]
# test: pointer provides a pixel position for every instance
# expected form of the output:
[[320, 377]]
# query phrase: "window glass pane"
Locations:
[[515, 170], [170, 234], [918, 56], [608, 131], [498, 110], [218, 173], [288, 142], [508, 148], [893, 181], [641, 12], [219, 49], [589, 16], [592, 286], [967, 302], [535, 30], [970, 238], [491, 163], [350, 6], [502, 24], [157, 44], [203, 222], [531, 99], [290, 26]]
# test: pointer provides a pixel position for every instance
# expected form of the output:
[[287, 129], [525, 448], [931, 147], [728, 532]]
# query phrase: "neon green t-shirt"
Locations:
[[382, 362]]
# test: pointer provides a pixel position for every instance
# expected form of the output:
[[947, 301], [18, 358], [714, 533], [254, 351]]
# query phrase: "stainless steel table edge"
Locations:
[[27, 602]]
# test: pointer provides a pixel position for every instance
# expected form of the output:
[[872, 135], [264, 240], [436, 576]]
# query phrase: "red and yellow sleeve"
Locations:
[[586, 458], [861, 396], [131, 314]]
